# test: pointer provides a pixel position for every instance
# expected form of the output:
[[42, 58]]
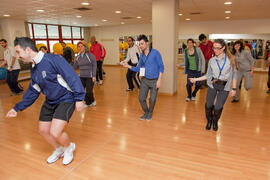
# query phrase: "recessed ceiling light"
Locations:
[[180, 14], [85, 3], [78, 16], [6, 15], [228, 2], [117, 12], [188, 19], [138, 17], [227, 17], [104, 20], [40, 10], [227, 12], [122, 23], [74, 23], [95, 24]]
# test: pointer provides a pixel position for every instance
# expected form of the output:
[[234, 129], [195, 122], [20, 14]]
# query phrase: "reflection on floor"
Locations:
[[113, 144]]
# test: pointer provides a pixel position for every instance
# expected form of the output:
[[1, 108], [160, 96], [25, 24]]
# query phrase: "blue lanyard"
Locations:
[[221, 69]]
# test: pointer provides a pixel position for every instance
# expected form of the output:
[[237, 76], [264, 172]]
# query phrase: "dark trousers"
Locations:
[[217, 93], [12, 81], [193, 74], [88, 85], [130, 76], [146, 86], [268, 83], [99, 70]]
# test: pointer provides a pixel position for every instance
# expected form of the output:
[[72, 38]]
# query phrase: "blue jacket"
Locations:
[[152, 62], [56, 79]]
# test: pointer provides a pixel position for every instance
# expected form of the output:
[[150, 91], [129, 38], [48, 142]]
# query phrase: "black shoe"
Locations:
[[268, 91], [149, 116], [216, 116], [235, 100], [128, 89], [209, 117], [143, 117]]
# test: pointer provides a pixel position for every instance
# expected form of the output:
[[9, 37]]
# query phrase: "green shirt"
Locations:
[[192, 62]]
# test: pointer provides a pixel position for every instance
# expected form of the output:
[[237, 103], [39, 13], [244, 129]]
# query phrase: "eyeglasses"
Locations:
[[217, 48]]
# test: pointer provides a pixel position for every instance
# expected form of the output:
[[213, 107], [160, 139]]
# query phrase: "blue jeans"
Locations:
[[12, 81], [193, 74]]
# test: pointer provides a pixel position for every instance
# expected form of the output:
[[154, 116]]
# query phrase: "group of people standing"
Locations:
[[65, 90], [225, 71]]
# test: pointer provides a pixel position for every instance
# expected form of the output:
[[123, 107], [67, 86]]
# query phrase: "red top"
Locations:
[[207, 50], [98, 51]]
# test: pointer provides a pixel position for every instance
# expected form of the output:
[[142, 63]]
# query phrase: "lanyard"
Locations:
[[146, 57], [220, 69]]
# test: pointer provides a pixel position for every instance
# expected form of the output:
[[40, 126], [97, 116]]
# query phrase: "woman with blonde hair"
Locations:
[[220, 76]]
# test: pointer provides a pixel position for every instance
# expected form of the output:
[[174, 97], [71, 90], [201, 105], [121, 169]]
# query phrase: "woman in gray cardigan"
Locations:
[[194, 67], [245, 64], [87, 64]]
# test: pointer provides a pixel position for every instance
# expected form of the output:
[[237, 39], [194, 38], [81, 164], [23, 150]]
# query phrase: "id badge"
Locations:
[[142, 71]]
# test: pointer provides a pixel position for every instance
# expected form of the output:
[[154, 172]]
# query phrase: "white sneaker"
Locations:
[[59, 152], [187, 99], [193, 98], [68, 154], [93, 103], [100, 82], [85, 105]]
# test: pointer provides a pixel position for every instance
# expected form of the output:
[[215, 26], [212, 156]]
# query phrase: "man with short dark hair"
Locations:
[[13, 67], [132, 59], [68, 53], [56, 79], [207, 49], [151, 69]]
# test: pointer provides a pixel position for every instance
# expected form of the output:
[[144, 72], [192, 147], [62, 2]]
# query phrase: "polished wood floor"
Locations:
[[113, 144]]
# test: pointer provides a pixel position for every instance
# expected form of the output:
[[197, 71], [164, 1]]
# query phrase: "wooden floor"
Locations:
[[113, 144]]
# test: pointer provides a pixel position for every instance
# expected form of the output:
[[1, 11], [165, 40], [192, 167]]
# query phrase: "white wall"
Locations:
[[109, 37], [11, 28]]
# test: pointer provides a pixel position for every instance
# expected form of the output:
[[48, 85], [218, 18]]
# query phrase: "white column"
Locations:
[[165, 39]]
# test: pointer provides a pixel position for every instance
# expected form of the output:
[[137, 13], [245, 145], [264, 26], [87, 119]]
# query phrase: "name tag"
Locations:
[[142, 71]]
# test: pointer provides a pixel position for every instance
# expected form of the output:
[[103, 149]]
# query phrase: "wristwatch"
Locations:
[[234, 89]]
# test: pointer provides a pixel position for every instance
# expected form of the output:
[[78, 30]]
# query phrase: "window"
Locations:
[[66, 32], [40, 31], [49, 34], [53, 31], [76, 32]]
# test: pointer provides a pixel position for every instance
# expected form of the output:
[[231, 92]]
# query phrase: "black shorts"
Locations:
[[63, 111]]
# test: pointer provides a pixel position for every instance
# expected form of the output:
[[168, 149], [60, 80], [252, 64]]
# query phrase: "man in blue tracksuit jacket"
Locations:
[[56, 79]]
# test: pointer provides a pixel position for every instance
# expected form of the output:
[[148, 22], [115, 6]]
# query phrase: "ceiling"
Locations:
[[63, 12]]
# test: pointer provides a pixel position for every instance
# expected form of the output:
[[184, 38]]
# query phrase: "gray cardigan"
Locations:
[[201, 65], [87, 64]]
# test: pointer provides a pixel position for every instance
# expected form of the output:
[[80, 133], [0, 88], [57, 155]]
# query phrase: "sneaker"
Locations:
[[100, 82], [59, 152], [268, 91], [96, 83], [13, 94], [128, 89], [193, 98], [86, 106], [143, 117], [68, 154], [93, 103], [149, 116], [235, 100], [187, 99]]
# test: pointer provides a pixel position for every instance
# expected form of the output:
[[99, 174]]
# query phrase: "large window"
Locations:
[[49, 34]]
